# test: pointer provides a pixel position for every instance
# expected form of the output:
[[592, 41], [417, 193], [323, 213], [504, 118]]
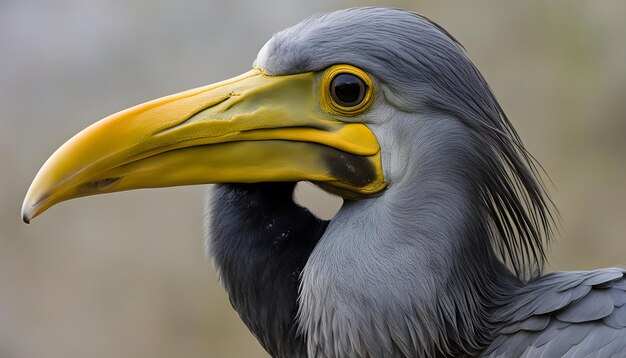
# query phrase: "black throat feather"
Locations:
[[260, 241]]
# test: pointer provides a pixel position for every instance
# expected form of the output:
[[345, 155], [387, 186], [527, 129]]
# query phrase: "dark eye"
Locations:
[[347, 90]]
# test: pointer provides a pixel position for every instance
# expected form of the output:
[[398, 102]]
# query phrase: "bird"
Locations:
[[439, 247]]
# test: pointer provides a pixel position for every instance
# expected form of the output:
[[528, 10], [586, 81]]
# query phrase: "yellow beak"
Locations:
[[251, 128]]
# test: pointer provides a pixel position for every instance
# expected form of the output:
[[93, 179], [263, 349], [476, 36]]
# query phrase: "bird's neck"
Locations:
[[412, 270], [260, 240]]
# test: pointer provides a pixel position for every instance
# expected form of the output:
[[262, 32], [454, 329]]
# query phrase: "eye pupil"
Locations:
[[347, 90]]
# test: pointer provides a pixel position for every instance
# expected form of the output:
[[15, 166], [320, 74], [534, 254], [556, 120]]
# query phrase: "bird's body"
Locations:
[[439, 247]]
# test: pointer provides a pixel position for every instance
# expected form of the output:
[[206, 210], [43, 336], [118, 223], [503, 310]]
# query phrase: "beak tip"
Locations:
[[26, 216], [28, 213]]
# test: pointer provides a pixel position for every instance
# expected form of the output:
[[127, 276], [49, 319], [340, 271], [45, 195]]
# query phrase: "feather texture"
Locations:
[[260, 240], [565, 314]]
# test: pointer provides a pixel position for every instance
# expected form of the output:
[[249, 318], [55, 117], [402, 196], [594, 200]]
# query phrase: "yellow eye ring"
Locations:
[[346, 90]]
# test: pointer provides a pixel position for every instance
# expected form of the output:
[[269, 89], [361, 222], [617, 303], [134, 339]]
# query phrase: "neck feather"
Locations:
[[260, 240], [413, 270]]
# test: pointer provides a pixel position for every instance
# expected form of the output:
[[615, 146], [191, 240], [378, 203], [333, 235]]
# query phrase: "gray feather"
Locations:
[[533, 323], [591, 323], [603, 277], [617, 319], [594, 306]]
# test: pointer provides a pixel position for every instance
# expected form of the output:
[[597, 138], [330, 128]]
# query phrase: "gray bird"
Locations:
[[439, 246]]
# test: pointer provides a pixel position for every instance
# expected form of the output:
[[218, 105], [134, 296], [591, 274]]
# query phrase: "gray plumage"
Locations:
[[447, 261], [564, 314]]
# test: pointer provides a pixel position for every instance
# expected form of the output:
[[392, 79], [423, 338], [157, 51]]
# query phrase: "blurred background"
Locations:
[[124, 275]]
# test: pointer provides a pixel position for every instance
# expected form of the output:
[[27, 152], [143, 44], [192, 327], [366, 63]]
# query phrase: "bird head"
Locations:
[[340, 100]]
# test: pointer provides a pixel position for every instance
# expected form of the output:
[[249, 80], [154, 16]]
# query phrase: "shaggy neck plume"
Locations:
[[413, 269]]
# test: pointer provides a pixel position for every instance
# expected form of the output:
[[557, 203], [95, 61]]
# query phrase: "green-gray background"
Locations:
[[124, 275]]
